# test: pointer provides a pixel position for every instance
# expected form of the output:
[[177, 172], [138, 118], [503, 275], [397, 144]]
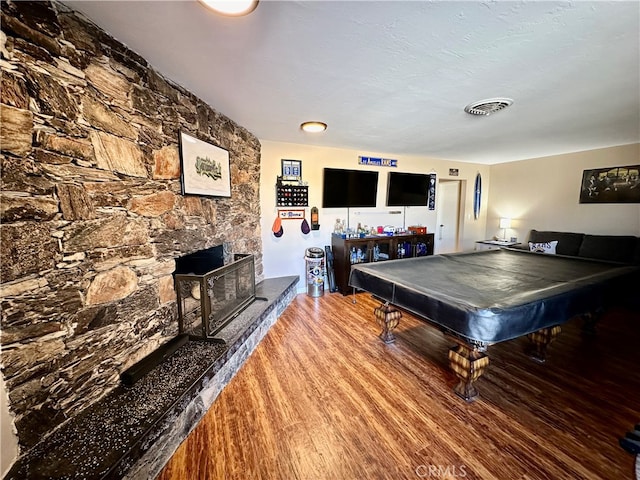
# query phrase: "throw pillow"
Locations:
[[544, 247]]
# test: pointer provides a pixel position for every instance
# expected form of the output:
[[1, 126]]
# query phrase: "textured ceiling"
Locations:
[[394, 76]]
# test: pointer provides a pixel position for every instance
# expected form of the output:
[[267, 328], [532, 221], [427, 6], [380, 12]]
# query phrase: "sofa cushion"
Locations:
[[544, 247], [613, 248], [568, 243]]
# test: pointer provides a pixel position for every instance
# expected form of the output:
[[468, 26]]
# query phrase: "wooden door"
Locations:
[[448, 216]]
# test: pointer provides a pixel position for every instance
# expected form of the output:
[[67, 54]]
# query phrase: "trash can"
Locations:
[[314, 257]]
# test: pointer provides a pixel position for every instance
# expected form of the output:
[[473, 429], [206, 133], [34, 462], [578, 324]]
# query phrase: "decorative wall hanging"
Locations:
[[291, 214], [377, 162], [432, 191], [204, 168], [291, 191], [291, 194], [477, 195], [611, 185]]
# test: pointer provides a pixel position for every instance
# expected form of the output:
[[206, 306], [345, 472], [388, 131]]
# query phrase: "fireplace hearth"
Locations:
[[212, 287], [133, 431]]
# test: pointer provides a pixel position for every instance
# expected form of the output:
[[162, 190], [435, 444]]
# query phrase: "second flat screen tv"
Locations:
[[407, 189], [349, 188]]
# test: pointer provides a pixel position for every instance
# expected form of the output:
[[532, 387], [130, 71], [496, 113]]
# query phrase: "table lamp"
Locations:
[[504, 224]]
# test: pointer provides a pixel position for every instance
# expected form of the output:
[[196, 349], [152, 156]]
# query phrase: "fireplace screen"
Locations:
[[211, 293]]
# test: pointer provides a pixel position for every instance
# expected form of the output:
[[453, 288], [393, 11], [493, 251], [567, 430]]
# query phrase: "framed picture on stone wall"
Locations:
[[204, 168]]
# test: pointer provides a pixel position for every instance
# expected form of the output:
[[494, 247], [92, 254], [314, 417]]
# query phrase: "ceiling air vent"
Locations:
[[487, 107]]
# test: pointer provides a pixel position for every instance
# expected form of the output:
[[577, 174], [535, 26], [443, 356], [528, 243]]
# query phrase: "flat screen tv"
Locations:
[[349, 188], [407, 189]]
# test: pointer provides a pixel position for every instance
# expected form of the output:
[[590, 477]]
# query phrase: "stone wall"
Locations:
[[92, 212]]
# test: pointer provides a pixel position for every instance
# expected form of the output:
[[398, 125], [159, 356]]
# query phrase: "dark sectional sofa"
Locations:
[[613, 248]]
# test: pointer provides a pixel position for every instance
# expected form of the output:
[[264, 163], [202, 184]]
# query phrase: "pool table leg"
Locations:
[[541, 340], [468, 363], [388, 318]]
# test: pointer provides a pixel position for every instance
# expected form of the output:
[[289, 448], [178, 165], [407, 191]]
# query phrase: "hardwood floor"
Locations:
[[323, 398]]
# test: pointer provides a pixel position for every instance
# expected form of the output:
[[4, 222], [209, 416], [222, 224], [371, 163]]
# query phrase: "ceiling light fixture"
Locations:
[[313, 127], [487, 107], [231, 8]]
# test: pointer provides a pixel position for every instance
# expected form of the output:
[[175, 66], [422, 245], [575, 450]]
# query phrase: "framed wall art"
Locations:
[[611, 185], [204, 168], [291, 169]]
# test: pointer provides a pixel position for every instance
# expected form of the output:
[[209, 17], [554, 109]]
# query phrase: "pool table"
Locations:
[[484, 297]]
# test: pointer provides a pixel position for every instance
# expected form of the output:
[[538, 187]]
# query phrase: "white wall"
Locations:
[[9, 442], [543, 193], [285, 255]]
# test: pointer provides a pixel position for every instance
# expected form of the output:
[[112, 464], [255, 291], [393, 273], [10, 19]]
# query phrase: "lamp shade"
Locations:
[[505, 222]]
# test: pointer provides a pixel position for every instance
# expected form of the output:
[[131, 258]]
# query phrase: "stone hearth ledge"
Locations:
[[133, 432]]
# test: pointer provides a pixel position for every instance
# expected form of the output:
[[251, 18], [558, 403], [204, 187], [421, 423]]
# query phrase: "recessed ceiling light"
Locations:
[[313, 127], [489, 106], [231, 8]]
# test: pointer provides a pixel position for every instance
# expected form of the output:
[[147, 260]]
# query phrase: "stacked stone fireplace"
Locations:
[[92, 215]]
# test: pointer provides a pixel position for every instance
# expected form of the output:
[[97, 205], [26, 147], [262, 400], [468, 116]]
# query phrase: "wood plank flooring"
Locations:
[[323, 398]]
